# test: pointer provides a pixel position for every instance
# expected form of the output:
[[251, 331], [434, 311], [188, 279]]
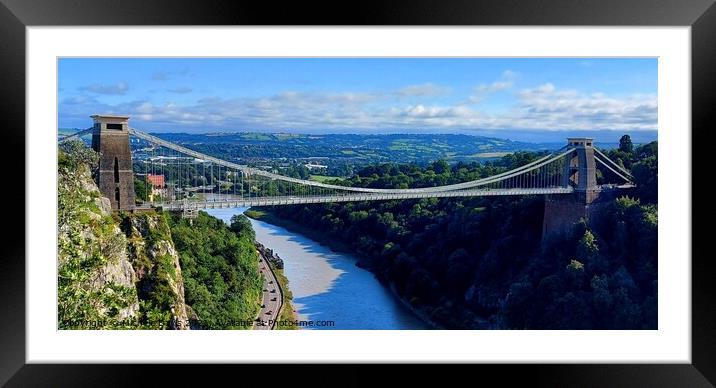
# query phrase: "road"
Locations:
[[272, 297]]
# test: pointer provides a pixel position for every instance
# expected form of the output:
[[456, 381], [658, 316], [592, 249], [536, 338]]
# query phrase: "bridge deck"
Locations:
[[231, 201]]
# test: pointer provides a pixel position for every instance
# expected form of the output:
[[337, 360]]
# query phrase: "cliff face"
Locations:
[[114, 271], [96, 281], [156, 264]]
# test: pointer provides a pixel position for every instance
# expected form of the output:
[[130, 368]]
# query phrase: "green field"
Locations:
[[323, 178], [256, 136]]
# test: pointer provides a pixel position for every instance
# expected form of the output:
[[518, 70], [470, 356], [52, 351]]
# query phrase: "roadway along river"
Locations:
[[327, 286]]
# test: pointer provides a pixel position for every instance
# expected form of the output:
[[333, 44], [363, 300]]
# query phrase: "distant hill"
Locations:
[[367, 147], [389, 147], [371, 148]]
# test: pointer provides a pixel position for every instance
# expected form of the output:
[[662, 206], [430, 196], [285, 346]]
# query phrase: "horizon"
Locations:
[[530, 136], [504, 96]]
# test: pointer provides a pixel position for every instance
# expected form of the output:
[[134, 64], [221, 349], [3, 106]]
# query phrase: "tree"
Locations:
[[240, 224], [646, 178], [587, 247], [459, 269], [588, 250], [141, 189], [625, 144], [441, 167], [74, 153]]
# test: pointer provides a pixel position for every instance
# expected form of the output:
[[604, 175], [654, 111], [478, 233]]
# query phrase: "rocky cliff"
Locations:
[[156, 264], [114, 271]]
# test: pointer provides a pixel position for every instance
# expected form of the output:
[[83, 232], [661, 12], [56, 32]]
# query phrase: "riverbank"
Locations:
[[338, 246], [421, 313], [288, 313]]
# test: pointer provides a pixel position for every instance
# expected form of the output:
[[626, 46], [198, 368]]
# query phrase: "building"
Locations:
[[157, 181], [315, 166], [158, 187]]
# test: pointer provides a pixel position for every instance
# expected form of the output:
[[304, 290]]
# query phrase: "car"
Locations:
[[273, 299], [263, 306], [265, 290], [274, 290], [269, 312], [270, 281]]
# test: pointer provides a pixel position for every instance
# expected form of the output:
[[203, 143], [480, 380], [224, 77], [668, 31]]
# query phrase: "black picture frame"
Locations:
[[700, 15]]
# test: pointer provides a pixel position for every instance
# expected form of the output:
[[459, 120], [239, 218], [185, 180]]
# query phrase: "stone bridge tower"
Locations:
[[580, 172], [110, 138]]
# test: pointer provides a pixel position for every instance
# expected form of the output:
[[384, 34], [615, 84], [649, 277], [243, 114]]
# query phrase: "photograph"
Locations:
[[357, 193], [513, 188]]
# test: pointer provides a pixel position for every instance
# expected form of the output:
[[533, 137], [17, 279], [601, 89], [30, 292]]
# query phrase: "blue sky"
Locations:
[[352, 95]]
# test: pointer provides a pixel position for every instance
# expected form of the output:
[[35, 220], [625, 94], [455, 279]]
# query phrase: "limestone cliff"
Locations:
[[96, 281], [115, 271], [156, 263]]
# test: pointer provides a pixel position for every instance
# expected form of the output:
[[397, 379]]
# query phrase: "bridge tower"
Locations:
[[110, 138], [581, 170], [561, 212]]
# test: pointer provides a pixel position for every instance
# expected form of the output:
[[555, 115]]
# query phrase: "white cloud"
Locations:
[[542, 107], [506, 81], [422, 111], [115, 89], [570, 109]]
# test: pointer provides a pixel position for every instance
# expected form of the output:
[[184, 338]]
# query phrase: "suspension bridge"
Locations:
[[186, 180]]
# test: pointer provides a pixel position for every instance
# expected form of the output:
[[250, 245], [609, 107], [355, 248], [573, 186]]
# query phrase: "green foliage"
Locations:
[[575, 265], [241, 226], [646, 178], [74, 153], [141, 189], [153, 317], [625, 144], [642, 161], [219, 265], [287, 313]]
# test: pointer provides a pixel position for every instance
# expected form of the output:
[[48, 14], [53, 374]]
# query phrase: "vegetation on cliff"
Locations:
[[481, 262], [220, 268], [160, 285]]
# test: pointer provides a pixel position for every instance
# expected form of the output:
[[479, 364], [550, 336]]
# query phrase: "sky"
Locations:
[[363, 95]]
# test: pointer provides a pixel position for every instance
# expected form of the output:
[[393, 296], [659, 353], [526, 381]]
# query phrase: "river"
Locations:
[[327, 286]]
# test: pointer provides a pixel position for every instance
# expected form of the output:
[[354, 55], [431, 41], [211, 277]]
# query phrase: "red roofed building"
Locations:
[[156, 180], [157, 183]]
